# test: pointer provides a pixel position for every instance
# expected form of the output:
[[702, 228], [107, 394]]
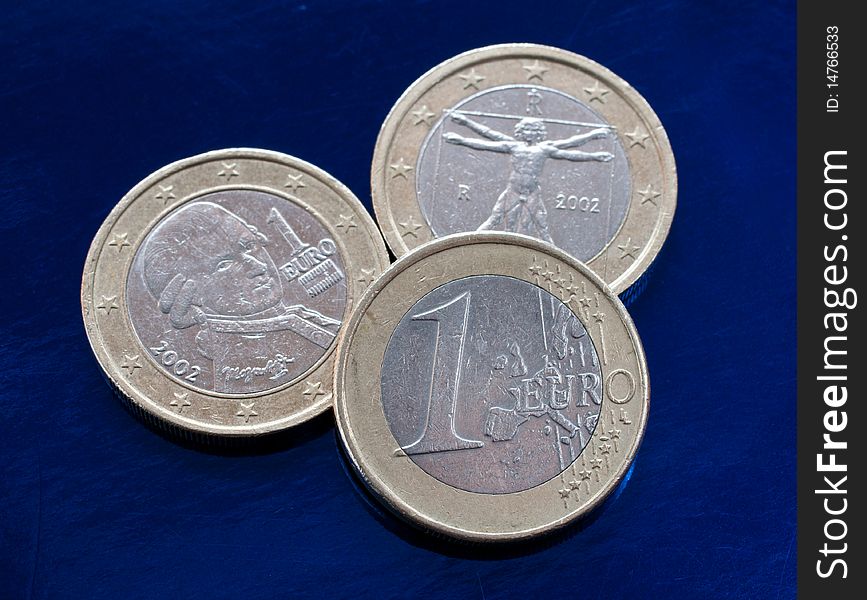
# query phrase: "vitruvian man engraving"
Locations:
[[519, 207]]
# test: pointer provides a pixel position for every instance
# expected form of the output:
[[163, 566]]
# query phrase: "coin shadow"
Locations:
[[270, 443], [649, 281], [261, 445], [441, 544]]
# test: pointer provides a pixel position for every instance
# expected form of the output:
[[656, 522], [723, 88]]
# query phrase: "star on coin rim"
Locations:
[[394, 199], [394, 478], [151, 390]]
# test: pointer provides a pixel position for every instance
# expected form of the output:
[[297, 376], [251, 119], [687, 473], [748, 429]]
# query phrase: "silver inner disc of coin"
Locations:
[[237, 292], [491, 384], [526, 159]]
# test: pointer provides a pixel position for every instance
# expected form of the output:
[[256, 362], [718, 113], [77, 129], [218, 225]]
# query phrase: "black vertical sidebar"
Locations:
[[831, 336]]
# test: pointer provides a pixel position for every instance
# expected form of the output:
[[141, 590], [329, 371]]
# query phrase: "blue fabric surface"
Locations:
[[94, 96]]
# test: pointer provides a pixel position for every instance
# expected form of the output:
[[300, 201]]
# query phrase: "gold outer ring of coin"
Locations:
[[654, 178], [435, 506], [148, 391]]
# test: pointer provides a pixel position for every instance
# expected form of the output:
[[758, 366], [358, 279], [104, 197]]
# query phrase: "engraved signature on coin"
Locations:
[[211, 271], [274, 368], [491, 384]]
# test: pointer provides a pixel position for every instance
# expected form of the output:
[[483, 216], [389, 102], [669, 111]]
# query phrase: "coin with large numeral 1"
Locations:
[[533, 140], [215, 292], [490, 387]]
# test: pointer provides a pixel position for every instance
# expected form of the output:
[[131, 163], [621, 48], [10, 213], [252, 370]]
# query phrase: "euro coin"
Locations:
[[215, 292], [490, 387], [533, 140]]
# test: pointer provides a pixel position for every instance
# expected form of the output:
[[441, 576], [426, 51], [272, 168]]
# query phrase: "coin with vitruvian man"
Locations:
[[509, 387], [532, 140], [236, 272]]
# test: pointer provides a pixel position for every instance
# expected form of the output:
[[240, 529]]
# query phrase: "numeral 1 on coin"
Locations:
[[439, 434]]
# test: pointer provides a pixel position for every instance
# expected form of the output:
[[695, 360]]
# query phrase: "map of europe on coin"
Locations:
[[516, 383]]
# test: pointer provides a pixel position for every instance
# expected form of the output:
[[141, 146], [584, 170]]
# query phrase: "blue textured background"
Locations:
[[94, 96]]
